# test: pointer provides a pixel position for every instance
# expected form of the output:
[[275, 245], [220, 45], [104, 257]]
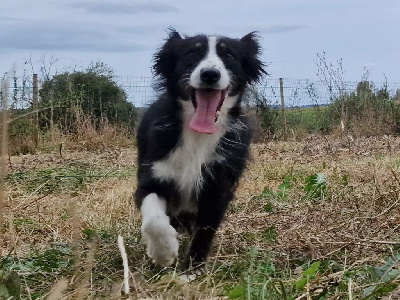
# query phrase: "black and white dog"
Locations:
[[193, 141]]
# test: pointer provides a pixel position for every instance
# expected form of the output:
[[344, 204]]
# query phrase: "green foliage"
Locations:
[[10, 285], [315, 186], [258, 280], [364, 111], [263, 279], [282, 192], [306, 120], [92, 91], [270, 235], [267, 116], [384, 278], [308, 275], [284, 187], [237, 292], [21, 136], [56, 260], [345, 180], [53, 259]]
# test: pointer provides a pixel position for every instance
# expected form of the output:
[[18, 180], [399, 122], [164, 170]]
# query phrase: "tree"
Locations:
[[92, 92]]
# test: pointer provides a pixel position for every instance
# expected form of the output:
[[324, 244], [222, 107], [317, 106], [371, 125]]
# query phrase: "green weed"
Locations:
[[315, 186], [262, 280], [385, 278], [281, 194]]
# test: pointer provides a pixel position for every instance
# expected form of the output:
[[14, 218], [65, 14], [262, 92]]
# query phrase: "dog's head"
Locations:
[[211, 72]]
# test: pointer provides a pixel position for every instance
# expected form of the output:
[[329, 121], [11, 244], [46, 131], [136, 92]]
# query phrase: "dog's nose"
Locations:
[[210, 75]]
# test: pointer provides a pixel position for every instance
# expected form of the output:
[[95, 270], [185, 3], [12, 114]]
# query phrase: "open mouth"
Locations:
[[207, 105]]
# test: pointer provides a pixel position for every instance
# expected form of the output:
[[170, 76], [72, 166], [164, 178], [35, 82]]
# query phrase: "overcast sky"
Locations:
[[125, 33]]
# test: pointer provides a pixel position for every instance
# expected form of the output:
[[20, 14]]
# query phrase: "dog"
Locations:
[[193, 142]]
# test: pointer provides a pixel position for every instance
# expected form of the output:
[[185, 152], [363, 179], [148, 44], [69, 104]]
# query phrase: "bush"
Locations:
[[92, 91], [264, 115], [365, 111], [21, 137]]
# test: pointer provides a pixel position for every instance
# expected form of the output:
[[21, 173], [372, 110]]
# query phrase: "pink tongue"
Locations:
[[207, 102]]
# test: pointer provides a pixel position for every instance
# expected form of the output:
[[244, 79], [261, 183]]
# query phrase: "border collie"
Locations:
[[193, 141]]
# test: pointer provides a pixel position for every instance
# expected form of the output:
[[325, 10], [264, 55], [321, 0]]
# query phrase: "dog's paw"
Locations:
[[161, 241]]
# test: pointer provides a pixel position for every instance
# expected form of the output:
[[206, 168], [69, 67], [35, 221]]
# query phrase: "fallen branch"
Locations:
[[124, 263]]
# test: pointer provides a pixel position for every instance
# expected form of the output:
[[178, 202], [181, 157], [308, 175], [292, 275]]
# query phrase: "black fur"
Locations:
[[160, 132]]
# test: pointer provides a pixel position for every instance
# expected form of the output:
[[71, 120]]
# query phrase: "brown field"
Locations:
[[63, 214]]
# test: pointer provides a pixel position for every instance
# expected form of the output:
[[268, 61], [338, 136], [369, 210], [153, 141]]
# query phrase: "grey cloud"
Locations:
[[125, 8], [47, 36]]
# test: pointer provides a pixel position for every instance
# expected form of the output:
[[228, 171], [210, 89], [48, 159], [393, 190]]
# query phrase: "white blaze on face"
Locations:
[[208, 98], [212, 60]]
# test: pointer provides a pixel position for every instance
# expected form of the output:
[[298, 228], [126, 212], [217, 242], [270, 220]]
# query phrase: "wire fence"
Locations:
[[297, 92], [304, 92], [140, 92], [277, 106]]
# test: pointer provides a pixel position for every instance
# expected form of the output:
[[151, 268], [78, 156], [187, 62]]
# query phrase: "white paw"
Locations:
[[161, 240]]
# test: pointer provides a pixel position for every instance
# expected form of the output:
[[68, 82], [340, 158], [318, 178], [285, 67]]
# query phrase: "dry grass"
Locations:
[[75, 205], [98, 135]]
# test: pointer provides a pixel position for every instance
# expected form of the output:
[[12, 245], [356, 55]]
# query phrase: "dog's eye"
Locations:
[[226, 53], [229, 55], [192, 53]]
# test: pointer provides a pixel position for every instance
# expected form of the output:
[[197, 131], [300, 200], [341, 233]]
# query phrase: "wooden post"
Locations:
[[3, 154], [35, 109], [283, 110]]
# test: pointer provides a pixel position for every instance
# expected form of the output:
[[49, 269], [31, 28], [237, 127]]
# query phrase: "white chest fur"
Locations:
[[195, 151], [184, 164]]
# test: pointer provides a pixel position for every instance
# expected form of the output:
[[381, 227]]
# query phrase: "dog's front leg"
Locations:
[[157, 233], [212, 207]]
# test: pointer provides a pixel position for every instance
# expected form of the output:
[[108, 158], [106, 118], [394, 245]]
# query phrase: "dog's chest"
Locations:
[[185, 164]]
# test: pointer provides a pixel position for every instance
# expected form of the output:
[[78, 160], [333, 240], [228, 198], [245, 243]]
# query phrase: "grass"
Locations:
[[316, 219]]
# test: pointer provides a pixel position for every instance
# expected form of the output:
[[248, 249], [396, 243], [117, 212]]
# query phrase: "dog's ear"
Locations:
[[251, 63], [165, 58]]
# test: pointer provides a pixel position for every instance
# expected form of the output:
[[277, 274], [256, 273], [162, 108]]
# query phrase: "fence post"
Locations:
[[283, 110], [35, 109], [3, 152]]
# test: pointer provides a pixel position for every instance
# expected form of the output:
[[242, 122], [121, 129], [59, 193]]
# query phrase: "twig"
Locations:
[[58, 290], [349, 288], [360, 242], [124, 263], [60, 149]]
